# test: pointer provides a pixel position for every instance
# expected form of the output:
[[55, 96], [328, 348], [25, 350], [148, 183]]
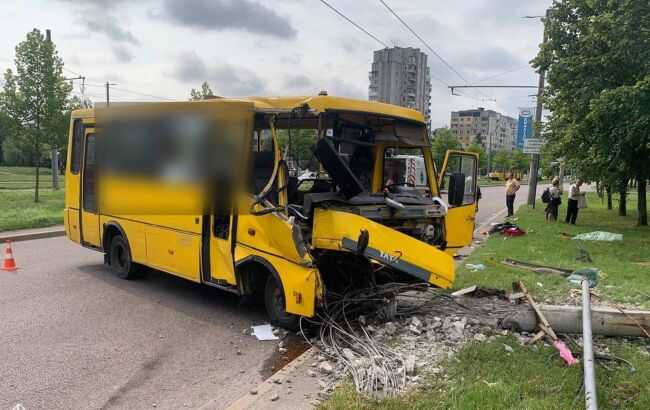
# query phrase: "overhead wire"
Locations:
[[358, 26], [426, 44]]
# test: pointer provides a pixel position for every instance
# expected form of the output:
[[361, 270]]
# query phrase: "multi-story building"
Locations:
[[493, 130], [400, 76]]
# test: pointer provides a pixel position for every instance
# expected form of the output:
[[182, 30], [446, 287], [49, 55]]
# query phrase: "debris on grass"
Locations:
[[599, 236], [475, 267], [404, 328], [535, 267]]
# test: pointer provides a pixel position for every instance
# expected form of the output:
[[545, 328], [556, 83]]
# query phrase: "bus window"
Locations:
[[77, 144], [89, 176]]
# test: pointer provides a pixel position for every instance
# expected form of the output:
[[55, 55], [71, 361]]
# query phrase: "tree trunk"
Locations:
[[622, 202], [55, 169], [608, 192], [37, 159], [642, 207]]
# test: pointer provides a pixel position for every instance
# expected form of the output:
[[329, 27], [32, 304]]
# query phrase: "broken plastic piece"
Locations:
[[565, 353]]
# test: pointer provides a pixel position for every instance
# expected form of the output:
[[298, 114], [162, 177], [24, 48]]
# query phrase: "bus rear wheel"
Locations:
[[120, 259], [276, 306]]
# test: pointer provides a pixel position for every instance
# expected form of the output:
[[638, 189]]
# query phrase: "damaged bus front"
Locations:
[[363, 218]]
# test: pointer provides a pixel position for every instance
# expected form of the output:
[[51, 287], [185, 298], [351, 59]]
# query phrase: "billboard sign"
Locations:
[[524, 126]]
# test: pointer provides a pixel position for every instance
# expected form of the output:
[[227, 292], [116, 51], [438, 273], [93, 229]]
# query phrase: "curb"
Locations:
[[249, 401], [27, 236]]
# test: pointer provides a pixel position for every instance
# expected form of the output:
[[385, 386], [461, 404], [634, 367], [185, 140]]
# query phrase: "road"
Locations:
[[75, 337], [493, 201]]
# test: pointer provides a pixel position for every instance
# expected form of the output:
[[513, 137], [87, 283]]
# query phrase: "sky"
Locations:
[[160, 49]]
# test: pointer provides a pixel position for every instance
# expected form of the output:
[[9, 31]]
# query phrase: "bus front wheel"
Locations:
[[276, 307], [120, 258]]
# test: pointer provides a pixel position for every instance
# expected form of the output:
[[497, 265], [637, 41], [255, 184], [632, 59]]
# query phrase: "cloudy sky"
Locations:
[[163, 48]]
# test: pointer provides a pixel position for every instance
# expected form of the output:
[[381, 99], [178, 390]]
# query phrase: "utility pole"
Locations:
[[54, 153], [534, 163]]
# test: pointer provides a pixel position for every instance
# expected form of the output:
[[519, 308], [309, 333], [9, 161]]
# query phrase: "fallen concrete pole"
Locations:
[[568, 319]]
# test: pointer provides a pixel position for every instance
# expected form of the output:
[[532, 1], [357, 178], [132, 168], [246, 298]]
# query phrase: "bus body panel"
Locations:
[[301, 284], [135, 234]]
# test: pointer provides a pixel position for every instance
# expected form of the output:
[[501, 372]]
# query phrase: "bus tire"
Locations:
[[275, 305], [120, 258]]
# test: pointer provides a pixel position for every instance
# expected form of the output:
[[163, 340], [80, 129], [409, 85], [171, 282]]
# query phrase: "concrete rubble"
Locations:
[[420, 341]]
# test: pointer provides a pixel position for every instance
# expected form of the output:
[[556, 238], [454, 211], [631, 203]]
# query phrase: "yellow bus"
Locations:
[[202, 190]]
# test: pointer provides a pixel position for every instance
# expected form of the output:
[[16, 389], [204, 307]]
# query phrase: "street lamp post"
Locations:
[[534, 163]]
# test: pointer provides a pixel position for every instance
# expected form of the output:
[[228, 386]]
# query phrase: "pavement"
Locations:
[[74, 336]]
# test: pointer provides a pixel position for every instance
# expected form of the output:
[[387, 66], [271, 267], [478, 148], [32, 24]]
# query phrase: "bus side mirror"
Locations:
[[456, 189]]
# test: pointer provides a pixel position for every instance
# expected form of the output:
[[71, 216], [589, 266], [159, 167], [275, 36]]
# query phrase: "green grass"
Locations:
[[485, 376], [18, 210], [622, 280]]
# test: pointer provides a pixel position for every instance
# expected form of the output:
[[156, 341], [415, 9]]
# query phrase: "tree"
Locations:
[[205, 93], [35, 97], [302, 145], [623, 115], [592, 49], [443, 140], [482, 155], [501, 161], [519, 162]]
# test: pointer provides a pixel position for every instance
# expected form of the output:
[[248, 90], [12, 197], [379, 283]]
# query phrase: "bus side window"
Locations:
[[77, 141]]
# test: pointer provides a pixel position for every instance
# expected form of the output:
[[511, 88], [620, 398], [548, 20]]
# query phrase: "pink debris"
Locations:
[[565, 353]]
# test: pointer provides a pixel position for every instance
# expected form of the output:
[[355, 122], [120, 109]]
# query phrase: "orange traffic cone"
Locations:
[[8, 263]]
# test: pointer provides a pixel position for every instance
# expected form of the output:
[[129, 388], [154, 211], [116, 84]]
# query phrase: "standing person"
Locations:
[[576, 201], [555, 199], [512, 186]]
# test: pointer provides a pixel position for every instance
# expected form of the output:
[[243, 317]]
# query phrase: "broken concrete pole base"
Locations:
[[568, 319]]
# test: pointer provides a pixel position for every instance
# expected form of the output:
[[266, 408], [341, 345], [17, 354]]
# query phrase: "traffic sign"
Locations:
[[533, 145]]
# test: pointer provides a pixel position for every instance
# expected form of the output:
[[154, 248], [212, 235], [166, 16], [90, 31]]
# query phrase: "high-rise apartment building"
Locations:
[[400, 76], [493, 130]]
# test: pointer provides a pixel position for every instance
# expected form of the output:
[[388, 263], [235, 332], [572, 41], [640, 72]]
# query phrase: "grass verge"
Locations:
[[486, 376], [625, 266], [18, 210]]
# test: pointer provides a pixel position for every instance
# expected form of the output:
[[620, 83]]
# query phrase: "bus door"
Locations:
[[234, 124], [89, 219], [459, 181]]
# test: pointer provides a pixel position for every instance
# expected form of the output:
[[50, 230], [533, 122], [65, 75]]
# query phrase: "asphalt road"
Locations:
[[73, 336], [493, 201]]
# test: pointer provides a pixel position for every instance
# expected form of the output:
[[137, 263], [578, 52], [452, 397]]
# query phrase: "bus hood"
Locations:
[[343, 231]]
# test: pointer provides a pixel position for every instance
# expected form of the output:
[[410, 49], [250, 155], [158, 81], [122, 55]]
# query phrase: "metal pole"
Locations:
[[534, 163], [54, 154], [588, 350], [108, 101]]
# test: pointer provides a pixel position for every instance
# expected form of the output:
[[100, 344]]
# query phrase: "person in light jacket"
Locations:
[[576, 201], [512, 186], [555, 191]]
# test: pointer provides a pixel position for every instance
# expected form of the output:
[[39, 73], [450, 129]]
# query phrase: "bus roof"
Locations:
[[320, 103]]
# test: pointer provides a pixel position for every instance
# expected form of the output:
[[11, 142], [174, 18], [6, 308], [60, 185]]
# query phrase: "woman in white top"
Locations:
[[576, 200]]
